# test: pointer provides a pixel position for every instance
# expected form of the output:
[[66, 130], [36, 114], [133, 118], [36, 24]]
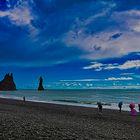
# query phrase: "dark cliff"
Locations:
[[40, 87], [7, 83]]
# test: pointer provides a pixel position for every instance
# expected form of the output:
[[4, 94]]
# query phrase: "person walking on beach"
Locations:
[[120, 106], [24, 98], [100, 107]]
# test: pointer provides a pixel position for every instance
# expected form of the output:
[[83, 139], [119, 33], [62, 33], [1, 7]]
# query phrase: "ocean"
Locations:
[[87, 98]]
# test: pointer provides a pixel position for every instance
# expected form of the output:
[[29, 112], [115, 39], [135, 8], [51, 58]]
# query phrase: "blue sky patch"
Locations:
[[85, 42]]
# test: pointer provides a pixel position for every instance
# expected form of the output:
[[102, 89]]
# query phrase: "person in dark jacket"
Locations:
[[100, 107], [120, 106], [139, 107], [24, 99]]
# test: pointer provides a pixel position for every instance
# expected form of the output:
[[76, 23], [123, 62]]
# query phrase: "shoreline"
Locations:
[[110, 106], [76, 98], [31, 120]]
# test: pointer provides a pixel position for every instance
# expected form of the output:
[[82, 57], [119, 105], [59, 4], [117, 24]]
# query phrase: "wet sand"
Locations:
[[27, 121]]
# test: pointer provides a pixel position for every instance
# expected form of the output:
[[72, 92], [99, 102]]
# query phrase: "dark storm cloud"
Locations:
[[115, 36]]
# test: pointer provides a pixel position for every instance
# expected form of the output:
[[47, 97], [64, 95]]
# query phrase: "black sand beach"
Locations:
[[19, 120]]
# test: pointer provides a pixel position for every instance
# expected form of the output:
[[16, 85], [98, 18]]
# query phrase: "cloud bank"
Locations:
[[44, 33], [130, 64]]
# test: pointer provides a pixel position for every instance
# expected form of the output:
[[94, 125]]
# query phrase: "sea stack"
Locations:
[[7, 83], [40, 84]]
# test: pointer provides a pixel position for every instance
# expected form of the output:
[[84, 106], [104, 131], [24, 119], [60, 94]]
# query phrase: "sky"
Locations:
[[76, 44]]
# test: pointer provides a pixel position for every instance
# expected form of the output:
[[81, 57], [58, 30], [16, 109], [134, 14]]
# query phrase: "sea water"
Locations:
[[87, 98]]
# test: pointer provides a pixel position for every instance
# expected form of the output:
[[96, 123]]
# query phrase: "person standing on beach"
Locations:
[[139, 107], [133, 112], [24, 98], [120, 106], [100, 107]]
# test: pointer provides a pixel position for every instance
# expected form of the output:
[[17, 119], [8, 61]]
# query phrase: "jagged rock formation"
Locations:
[[40, 87], [7, 83]]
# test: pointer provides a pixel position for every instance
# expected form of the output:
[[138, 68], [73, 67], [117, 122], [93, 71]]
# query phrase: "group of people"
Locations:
[[133, 111]]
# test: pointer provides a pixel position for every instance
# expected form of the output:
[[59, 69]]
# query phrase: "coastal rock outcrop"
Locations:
[[40, 87], [7, 83]]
